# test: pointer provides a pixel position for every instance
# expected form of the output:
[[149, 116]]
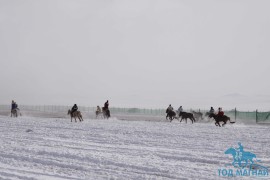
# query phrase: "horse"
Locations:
[[99, 114], [14, 113], [185, 115], [106, 113], [75, 114], [171, 114], [245, 156], [218, 119], [207, 114], [197, 115]]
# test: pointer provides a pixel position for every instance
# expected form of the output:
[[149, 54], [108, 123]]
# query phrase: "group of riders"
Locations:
[[105, 110], [218, 117], [211, 111], [180, 112]]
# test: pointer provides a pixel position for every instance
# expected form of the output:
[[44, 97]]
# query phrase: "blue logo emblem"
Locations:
[[244, 164], [241, 158]]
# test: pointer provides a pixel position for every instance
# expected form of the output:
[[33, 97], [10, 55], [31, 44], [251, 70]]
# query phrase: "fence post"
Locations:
[[256, 115], [235, 114]]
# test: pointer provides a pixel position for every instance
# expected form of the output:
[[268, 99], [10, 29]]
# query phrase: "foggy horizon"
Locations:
[[146, 54]]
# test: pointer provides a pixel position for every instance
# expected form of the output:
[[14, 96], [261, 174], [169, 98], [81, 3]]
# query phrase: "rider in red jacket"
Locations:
[[220, 112]]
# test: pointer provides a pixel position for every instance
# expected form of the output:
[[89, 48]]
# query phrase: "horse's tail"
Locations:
[[230, 120]]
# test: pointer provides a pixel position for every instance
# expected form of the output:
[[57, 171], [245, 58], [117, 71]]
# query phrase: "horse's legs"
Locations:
[[181, 119]]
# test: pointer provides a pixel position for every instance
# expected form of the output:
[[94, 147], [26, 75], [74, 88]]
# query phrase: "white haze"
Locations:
[[144, 53]]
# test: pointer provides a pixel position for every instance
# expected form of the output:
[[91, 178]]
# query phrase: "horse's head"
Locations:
[[211, 115], [69, 111], [230, 151]]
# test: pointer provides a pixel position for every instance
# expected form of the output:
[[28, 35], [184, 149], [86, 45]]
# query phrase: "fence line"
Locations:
[[234, 113]]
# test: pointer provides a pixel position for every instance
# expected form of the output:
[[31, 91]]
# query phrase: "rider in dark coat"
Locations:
[[74, 108], [212, 111], [106, 109], [106, 105], [13, 105]]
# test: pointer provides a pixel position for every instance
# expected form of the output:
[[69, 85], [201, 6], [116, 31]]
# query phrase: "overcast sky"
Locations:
[[143, 53]]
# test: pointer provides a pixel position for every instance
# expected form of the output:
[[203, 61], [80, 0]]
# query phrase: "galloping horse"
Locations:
[[75, 114], [218, 119], [185, 115], [171, 114], [106, 113]]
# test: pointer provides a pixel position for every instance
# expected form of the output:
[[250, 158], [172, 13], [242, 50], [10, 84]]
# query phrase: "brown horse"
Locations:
[[185, 115], [14, 113], [218, 119], [75, 114]]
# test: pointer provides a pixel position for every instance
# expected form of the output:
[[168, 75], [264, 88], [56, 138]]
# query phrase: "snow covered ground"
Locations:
[[55, 148]]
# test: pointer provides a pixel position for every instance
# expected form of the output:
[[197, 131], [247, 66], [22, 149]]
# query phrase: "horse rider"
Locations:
[[180, 109], [220, 112], [16, 106], [241, 148], [74, 109], [106, 106], [212, 111], [13, 105], [170, 108], [106, 109]]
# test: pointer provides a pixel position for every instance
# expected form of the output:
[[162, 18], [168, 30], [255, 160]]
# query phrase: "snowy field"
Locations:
[[55, 148]]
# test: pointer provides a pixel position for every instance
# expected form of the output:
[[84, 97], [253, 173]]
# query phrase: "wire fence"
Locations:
[[49, 109]]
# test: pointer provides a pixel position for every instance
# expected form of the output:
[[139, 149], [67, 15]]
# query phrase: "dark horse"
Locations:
[[185, 115], [14, 113], [75, 114], [171, 114], [106, 113], [218, 119]]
